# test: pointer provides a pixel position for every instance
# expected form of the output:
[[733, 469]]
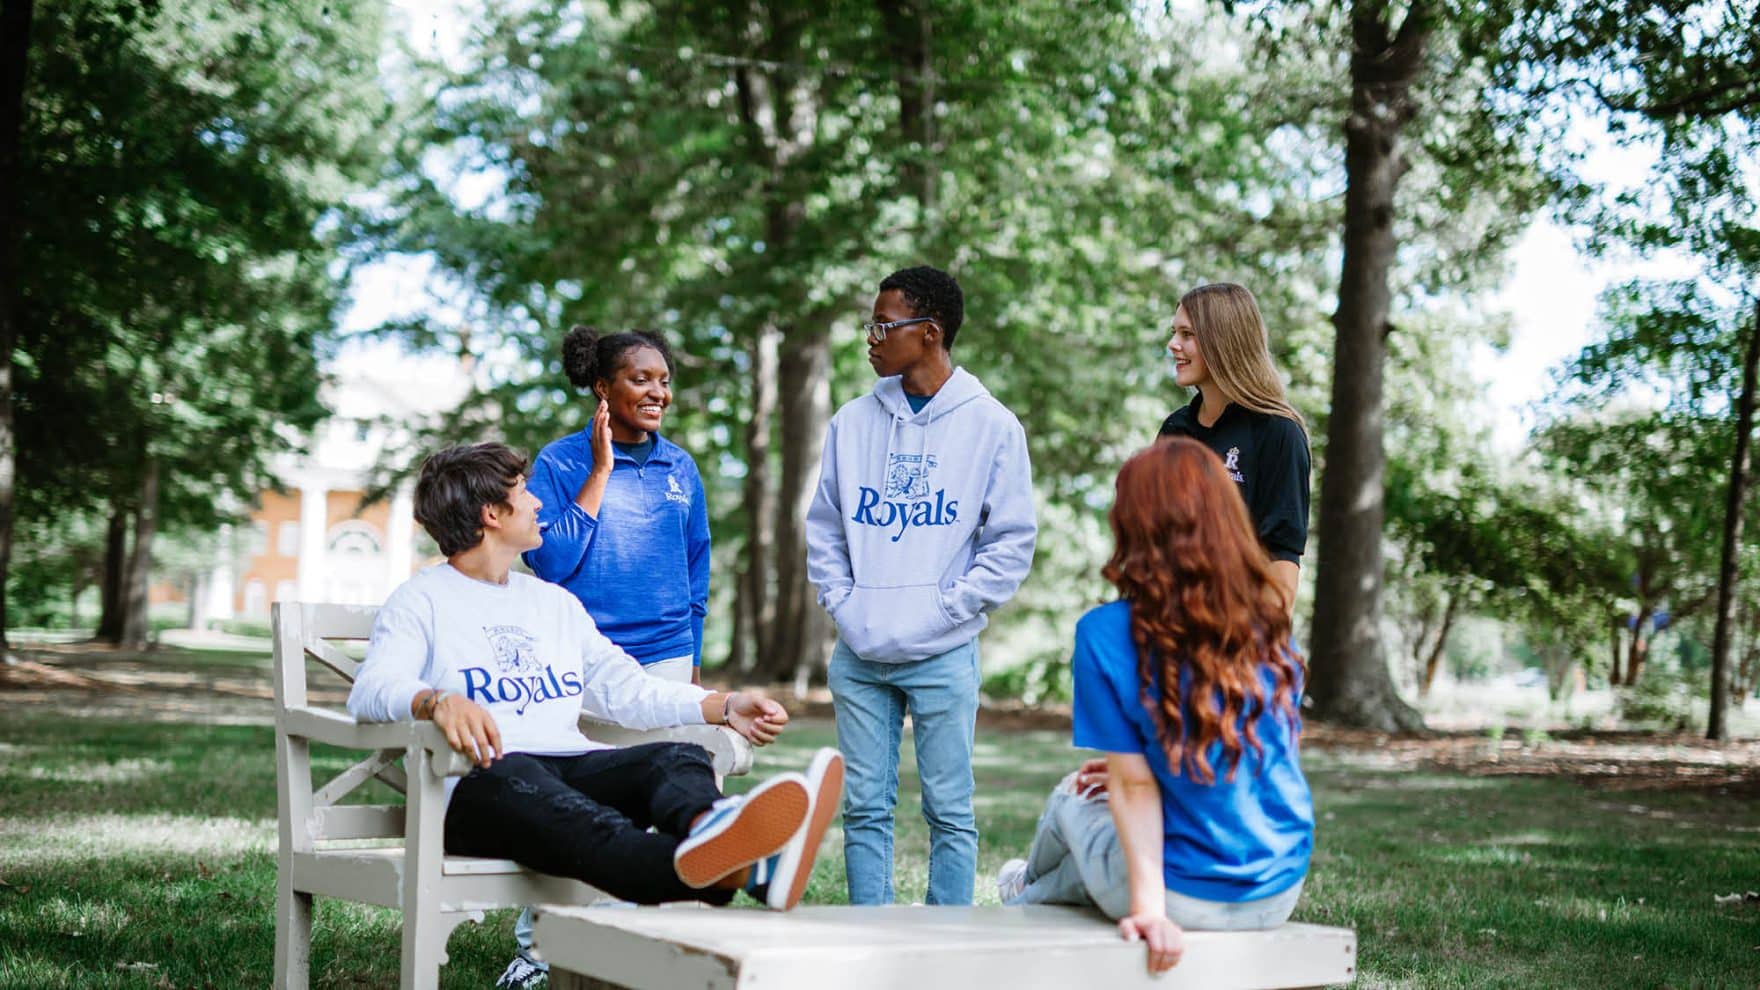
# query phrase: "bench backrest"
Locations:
[[306, 633]]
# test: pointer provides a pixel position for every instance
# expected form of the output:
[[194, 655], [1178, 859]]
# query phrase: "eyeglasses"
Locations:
[[877, 331]]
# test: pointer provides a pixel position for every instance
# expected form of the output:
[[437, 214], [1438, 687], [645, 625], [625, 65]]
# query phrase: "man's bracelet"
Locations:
[[426, 709]]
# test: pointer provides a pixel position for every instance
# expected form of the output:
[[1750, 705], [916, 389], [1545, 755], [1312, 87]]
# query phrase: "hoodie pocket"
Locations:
[[893, 625]]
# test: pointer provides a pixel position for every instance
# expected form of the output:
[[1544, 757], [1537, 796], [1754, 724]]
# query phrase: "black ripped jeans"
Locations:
[[587, 816]]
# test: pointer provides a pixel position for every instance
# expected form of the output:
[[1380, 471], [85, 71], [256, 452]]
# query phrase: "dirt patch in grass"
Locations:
[[1613, 761], [85, 678]]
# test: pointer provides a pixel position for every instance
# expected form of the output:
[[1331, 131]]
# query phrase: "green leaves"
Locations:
[[179, 162]]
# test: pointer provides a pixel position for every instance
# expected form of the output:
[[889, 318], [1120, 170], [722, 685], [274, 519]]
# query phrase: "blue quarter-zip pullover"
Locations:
[[642, 567]]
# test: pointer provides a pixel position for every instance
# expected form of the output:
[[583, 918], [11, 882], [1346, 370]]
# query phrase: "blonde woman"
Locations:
[[1220, 348]]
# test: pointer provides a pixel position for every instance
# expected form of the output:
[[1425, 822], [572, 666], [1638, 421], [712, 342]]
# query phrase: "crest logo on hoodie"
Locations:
[[908, 501], [907, 475]]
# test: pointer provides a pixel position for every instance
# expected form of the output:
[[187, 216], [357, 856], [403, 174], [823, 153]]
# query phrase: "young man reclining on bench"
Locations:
[[505, 664]]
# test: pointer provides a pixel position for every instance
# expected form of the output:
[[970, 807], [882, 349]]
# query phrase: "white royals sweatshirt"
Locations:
[[526, 651], [922, 522]]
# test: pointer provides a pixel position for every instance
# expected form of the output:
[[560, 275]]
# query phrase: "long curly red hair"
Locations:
[[1204, 601]]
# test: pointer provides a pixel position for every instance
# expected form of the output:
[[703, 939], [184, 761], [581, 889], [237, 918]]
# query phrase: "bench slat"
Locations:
[[326, 653], [373, 876], [346, 781], [357, 821]]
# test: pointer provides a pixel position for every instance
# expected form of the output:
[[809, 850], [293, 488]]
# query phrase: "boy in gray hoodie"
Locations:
[[922, 523]]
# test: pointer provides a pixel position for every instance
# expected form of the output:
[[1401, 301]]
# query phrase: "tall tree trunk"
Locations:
[[1434, 661], [1718, 726], [754, 611], [778, 113], [15, 47], [1350, 682], [111, 606], [1640, 646], [1420, 644], [803, 629], [135, 628], [908, 27], [1613, 658]]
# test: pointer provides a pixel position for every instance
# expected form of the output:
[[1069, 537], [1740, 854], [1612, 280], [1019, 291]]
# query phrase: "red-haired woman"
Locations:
[[1200, 817]]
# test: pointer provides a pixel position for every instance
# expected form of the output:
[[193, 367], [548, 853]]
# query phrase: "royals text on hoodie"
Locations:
[[922, 522]]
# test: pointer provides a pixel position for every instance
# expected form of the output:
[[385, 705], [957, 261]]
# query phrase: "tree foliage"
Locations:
[[180, 161]]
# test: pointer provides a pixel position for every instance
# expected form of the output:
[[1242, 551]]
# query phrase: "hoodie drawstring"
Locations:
[[886, 465]]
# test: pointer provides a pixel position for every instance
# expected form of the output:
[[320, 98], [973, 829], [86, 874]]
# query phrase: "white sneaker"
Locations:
[[793, 866], [523, 974], [1011, 880], [739, 831]]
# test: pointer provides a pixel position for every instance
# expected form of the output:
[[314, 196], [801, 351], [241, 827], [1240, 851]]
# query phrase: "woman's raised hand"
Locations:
[[602, 437]]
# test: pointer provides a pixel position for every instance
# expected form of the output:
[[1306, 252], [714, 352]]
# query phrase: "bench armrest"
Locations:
[[338, 729], [728, 750]]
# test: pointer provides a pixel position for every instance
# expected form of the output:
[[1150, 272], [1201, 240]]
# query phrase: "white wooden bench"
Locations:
[[918, 948], [391, 854]]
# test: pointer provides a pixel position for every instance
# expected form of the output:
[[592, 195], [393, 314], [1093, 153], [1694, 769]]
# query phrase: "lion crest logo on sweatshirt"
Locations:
[[908, 501], [907, 475], [674, 493], [515, 649]]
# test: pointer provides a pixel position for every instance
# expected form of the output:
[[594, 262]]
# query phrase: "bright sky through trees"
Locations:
[[1551, 292]]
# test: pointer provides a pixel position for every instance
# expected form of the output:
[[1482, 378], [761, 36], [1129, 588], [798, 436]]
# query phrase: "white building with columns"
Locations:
[[316, 539]]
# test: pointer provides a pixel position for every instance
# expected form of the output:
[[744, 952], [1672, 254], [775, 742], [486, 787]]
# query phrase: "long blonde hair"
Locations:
[[1236, 348]]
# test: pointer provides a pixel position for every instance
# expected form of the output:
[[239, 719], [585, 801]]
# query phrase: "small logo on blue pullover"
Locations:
[[907, 502]]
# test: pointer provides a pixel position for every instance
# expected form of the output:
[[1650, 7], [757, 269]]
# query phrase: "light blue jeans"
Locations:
[[1076, 859], [941, 694]]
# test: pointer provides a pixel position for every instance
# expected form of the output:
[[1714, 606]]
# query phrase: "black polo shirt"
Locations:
[[1267, 455]]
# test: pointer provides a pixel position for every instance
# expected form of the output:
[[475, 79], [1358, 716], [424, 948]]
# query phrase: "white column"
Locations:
[[314, 518], [399, 536], [215, 591]]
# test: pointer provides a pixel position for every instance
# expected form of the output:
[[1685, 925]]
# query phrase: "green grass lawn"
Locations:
[[141, 855]]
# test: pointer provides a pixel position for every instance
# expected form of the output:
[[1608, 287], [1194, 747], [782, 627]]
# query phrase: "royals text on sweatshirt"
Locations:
[[524, 650]]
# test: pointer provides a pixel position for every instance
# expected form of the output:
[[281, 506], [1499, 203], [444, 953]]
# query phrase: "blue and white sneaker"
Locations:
[[523, 974], [1011, 881], [741, 830], [780, 880]]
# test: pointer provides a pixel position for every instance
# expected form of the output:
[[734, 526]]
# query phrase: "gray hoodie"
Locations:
[[922, 522]]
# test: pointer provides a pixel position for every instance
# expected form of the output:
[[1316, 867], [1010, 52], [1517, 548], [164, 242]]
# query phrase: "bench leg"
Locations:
[[425, 934], [293, 937]]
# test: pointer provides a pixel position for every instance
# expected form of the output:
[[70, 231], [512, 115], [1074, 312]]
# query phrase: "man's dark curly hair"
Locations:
[[456, 483], [931, 292]]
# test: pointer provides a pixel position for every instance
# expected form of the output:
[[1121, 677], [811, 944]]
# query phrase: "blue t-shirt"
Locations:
[[1230, 841]]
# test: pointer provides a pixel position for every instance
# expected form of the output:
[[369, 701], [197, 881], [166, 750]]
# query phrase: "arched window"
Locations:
[[354, 564]]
